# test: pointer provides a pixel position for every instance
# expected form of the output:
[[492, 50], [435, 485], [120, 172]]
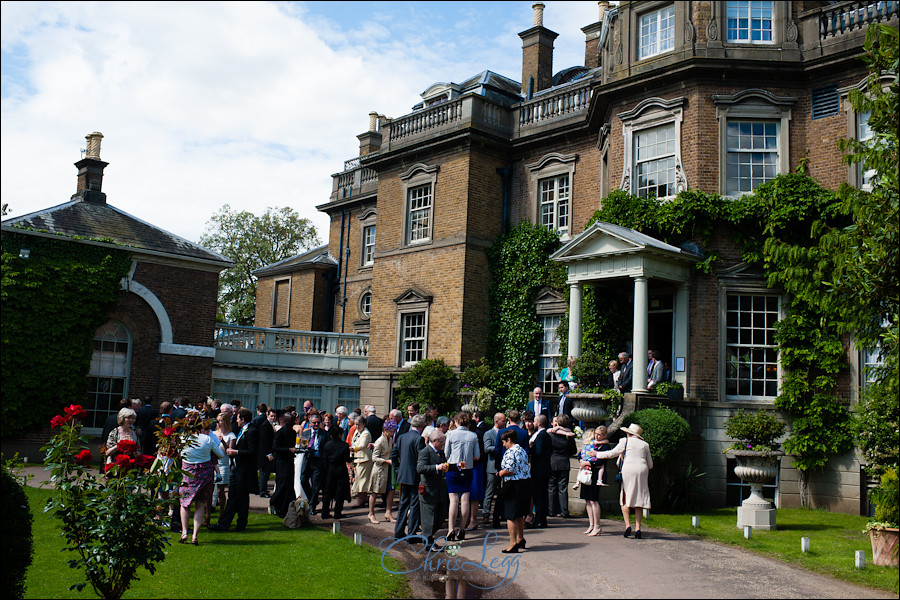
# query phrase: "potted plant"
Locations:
[[882, 529], [475, 386], [673, 389], [757, 455], [590, 399]]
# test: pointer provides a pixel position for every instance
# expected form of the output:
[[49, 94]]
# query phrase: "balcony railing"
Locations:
[[849, 16], [236, 337], [566, 103], [426, 120]]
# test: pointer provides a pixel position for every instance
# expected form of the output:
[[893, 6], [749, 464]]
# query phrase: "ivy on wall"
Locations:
[[520, 266], [53, 303]]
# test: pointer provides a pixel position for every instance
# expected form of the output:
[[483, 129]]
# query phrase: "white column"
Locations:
[[682, 320], [641, 306], [575, 320]]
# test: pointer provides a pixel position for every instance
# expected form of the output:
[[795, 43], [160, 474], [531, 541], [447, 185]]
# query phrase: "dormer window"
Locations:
[[657, 32]]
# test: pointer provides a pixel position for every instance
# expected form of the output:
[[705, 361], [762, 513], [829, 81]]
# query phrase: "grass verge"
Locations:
[[265, 561], [833, 538]]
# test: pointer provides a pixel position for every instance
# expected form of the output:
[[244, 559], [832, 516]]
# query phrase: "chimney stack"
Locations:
[[370, 141], [537, 54], [90, 172], [592, 38]]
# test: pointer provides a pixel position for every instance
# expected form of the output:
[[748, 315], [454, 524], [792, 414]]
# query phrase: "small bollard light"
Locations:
[[804, 544], [25, 460], [748, 532], [335, 528], [695, 521], [646, 513], [860, 559], [357, 539]]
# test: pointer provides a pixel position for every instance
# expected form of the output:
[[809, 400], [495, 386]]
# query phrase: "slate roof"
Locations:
[[96, 220], [315, 256]]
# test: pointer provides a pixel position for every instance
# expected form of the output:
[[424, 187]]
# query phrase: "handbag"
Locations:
[[584, 476], [620, 461]]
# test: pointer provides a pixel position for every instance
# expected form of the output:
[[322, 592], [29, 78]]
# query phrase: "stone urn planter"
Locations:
[[589, 408], [884, 546], [757, 469]]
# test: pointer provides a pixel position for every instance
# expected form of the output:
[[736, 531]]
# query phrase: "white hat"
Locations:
[[634, 429]]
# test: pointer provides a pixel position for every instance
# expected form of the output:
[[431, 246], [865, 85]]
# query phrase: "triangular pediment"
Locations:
[[607, 239], [413, 296]]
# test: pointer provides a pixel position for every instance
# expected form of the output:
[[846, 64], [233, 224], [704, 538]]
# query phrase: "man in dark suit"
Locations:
[[146, 424], [492, 482], [521, 435], [402, 424], [335, 456], [243, 475], [404, 457], [178, 410], [434, 500], [627, 376], [540, 470], [312, 477], [374, 423], [265, 459], [565, 404], [538, 405]]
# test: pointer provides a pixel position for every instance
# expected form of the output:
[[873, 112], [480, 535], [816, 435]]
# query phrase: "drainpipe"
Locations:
[[346, 263], [340, 258]]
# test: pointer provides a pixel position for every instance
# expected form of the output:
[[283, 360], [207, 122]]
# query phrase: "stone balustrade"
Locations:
[[553, 107], [846, 17], [283, 347]]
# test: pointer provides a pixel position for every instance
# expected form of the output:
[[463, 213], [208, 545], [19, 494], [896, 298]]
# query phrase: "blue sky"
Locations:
[[248, 104]]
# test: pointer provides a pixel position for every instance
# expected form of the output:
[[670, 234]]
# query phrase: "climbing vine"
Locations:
[[520, 266], [53, 303]]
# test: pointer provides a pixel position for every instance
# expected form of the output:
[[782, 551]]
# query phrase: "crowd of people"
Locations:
[[460, 472]]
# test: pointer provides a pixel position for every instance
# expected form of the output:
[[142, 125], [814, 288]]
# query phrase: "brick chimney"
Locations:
[[370, 141], [537, 54], [592, 38], [90, 172]]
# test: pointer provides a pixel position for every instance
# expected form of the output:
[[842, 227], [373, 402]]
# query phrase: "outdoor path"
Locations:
[[560, 562]]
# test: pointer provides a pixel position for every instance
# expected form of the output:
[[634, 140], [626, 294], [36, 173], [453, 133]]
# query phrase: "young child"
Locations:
[[601, 444], [585, 473]]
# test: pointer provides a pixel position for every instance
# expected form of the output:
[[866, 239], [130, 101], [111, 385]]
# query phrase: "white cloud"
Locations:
[[250, 104]]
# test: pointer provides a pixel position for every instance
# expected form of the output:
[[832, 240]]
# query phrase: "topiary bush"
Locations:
[[17, 546], [665, 431], [430, 381], [885, 497]]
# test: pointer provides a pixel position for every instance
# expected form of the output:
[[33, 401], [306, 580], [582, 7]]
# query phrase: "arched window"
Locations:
[[108, 377]]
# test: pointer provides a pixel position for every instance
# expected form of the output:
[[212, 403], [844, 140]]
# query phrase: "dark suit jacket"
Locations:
[[146, 421], [563, 449], [491, 440], [245, 462], [375, 425], [266, 437], [625, 379], [521, 439], [568, 404], [547, 408], [402, 428], [435, 481], [405, 455], [540, 455]]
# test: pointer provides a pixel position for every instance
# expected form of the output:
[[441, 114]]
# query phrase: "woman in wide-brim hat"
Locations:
[[634, 465]]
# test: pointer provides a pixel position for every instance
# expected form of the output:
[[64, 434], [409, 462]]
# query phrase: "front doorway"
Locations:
[[660, 326]]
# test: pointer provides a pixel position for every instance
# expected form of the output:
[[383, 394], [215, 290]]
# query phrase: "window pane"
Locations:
[[419, 213], [549, 353], [654, 161], [753, 147], [751, 360]]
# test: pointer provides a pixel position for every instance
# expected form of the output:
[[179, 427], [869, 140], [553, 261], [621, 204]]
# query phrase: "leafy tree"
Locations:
[[253, 242]]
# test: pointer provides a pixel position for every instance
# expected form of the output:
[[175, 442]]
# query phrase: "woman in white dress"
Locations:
[[362, 459]]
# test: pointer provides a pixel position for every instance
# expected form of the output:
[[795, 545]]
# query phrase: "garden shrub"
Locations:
[[885, 497], [430, 381], [17, 543], [665, 431]]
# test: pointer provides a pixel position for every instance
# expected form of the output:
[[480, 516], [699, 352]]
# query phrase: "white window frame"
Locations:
[[548, 360], [551, 169], [107, 366], [365, 304], [755, 289], [666, 156], [410, 322], [745, 162], [419, 179], [412, 303], [749, 12], [554, 193], [649, 114], [654, 40], [367, 224], [753, 105]]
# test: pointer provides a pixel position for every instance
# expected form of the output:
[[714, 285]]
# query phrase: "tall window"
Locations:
[[751, 154], [654, 162], [750, 22], [296, 394], [281, 303], [368, 252], [863, 133], [549, 353], [108, 377], [554, 198], [419, 214], [657, 32], [348, 397], [751, 357], [245, 391], [412, 343]]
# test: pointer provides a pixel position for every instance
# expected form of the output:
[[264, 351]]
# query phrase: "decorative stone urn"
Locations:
[[589, 408], [884, 546], [757, 469]]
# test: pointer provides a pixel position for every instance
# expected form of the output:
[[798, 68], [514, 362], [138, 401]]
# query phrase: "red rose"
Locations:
[[59, 421], [83, 457], [122, 460], [109, 467], [76, 412], [127, 446], [144, 461], [169, 431]]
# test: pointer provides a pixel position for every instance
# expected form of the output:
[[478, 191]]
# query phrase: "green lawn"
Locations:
[[266, 561], [833, 538]]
